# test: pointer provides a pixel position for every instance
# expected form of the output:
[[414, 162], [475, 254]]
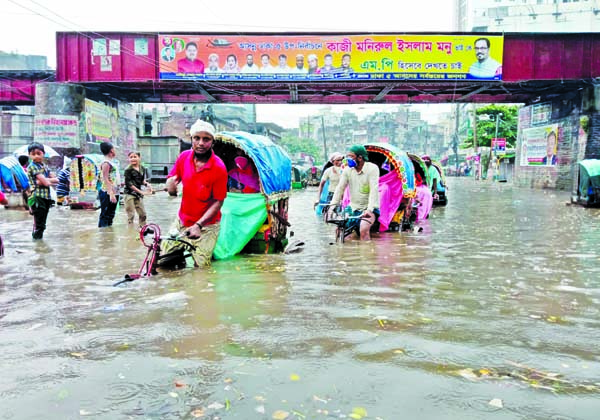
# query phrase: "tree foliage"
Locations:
[[486, 125], [295, 145]]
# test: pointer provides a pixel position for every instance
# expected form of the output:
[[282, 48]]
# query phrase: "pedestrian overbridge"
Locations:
[[384, 68]]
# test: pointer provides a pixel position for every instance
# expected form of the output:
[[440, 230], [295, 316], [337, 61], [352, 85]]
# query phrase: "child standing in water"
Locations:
[[39, 201], [134, 196], [111, 181]]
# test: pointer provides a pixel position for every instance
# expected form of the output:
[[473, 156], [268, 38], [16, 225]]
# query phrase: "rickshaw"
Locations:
[[396, 191], [254, 222], [588, 183], [314, 176], [13, 182], [250, 222], [442, 199], [299, 177], [420, 167], [323, 198], [84, 183]]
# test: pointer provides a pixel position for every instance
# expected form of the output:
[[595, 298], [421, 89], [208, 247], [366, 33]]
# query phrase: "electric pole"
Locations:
[[324, 138]]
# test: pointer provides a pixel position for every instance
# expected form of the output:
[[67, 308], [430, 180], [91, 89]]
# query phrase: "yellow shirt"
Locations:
[[364, 187]]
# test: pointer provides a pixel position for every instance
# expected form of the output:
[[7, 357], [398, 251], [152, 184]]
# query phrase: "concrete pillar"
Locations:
[[57, 123], [59, 99]]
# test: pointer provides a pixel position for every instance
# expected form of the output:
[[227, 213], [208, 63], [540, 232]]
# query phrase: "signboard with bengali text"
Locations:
[[56, 130], [499, 144], [330, 57]]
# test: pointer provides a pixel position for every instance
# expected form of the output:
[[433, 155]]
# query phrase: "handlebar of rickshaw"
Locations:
[[345, 218], [152, 257]]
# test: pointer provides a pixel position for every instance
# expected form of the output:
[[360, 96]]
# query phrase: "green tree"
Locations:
[[295, 145], [486, 125]]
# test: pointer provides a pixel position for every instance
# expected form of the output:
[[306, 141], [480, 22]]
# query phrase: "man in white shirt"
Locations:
[[266, 66], [299, 65], [362, 178], [484, 67], [282, 67], [249, 67]]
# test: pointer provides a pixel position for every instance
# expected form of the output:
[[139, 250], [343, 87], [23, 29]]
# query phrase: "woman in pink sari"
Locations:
[[424, 199], [243, 178]]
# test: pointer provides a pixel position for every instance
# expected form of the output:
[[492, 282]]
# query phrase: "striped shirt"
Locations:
[[38, 190], [64, 179]]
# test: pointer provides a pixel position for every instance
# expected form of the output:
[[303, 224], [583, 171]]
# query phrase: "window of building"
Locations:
[[147, 125]]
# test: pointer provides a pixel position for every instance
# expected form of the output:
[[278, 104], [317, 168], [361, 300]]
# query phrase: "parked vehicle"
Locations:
[[588, 183], [254, 222]]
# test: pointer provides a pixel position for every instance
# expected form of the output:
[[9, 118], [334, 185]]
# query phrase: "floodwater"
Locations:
[[492, 312]]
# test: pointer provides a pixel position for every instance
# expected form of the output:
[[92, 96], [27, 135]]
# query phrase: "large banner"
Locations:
[[539, 146], [56, 130], [327, 57], [101, 123]]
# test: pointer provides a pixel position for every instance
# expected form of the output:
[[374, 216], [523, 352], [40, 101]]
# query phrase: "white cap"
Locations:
[[200, 125], [335, 156]]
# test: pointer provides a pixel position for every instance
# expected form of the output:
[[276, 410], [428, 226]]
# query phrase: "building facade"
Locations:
[[528, 15]]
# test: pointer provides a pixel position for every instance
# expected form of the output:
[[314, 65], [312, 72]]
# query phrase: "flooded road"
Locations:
[[492, 312]]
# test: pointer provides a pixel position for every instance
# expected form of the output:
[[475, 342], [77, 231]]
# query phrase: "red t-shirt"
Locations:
[[200, 188]]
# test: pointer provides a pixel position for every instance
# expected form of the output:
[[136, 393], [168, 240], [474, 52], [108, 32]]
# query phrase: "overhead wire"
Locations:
[[126, 50]]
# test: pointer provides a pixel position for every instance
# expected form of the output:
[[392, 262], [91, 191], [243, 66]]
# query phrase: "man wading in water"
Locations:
[[204, 178]]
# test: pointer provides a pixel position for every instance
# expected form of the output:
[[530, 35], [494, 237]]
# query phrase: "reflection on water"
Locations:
[[497, 299]]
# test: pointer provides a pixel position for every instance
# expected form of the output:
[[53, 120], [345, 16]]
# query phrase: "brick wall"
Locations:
[[571, 143]]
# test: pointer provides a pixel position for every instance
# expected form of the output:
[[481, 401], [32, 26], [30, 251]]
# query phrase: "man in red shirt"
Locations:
[[190, 64], [204, 178]]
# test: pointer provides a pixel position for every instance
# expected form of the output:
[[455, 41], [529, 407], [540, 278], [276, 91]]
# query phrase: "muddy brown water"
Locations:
[[492, 312]]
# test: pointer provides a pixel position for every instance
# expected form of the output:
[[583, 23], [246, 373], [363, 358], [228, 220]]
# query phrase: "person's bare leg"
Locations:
[[365, 228]]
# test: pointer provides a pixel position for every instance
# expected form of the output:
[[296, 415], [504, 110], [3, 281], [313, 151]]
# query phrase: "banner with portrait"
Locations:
[[330, 57], [539, 146], [101, 123]]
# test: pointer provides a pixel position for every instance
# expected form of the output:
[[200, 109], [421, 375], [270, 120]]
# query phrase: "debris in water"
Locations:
[[280, 415], [496, 402]]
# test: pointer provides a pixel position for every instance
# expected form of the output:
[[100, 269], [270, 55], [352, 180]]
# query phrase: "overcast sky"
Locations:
[[29, 26]]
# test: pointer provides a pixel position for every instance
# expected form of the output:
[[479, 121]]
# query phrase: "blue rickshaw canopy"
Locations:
[[272, 162]]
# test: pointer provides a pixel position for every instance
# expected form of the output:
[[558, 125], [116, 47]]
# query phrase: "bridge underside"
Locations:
[[18, 88], [334, 93]]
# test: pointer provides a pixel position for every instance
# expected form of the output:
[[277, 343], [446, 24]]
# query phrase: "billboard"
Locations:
[[540, 146], [101, 123], [330, 57]]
